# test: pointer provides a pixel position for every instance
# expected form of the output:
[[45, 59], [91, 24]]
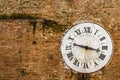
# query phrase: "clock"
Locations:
[[86, 47]]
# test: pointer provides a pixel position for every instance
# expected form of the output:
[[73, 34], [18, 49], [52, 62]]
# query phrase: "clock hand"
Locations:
[[86, 47], [97, 50], [82, 46]]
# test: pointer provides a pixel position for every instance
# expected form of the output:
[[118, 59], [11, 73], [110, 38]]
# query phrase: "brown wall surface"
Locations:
[[26, 54]]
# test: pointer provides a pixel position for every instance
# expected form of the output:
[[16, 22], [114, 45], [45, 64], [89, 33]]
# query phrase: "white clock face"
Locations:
[[86, 47]]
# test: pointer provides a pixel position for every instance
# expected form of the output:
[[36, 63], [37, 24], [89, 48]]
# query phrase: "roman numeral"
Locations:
[[77, 32], [76, 63], [95, 32], [102, 56], [101, 39], [85, 66], [104, 47], [68, 47], [95, 63], [87, 30], [70, 38], [70, 56]]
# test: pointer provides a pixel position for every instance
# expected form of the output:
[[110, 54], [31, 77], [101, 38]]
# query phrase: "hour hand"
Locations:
[[82, 46], [90, 48]]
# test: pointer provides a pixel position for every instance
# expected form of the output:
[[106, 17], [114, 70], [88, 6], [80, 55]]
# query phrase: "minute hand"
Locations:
[[86, 47], [82, 46], [90, 48]]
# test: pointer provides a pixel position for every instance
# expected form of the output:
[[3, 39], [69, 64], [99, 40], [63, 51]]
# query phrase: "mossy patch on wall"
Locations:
[[46, 23], [56, 26], [17, 16]]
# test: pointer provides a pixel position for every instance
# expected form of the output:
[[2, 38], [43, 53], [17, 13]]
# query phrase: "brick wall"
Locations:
[[29, 55]]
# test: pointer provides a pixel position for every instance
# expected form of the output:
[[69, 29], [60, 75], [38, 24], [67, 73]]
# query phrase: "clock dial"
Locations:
[[86, 47]]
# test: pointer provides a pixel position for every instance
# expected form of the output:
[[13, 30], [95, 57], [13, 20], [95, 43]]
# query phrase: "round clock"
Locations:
[[86, 47]]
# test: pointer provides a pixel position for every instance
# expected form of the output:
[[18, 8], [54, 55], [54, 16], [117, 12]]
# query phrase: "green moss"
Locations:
[[16, 16], [59, 28], [21, 16], [56, 27], [22, 71], [3, 16]]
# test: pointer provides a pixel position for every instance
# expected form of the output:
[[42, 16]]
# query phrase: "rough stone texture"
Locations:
[[25, 55]]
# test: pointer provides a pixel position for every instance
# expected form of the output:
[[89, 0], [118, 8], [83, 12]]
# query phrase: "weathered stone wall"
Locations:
[[26, 54]]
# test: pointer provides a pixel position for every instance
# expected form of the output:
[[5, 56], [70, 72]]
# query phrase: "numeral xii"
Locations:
[[87, 30]]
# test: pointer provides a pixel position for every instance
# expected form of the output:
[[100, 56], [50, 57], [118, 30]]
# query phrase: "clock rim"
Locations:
[[87, 21]]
